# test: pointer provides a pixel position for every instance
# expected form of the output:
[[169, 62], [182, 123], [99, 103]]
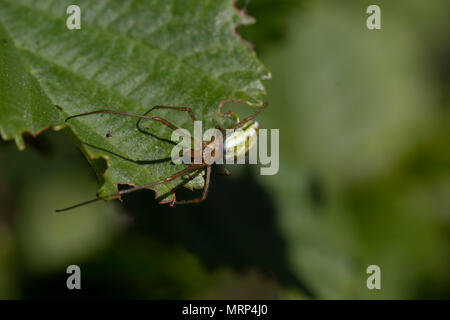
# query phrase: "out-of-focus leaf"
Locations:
[[356, 103], [44, 241], [273, 18], [8, 280], [362, 104], [50, 241]]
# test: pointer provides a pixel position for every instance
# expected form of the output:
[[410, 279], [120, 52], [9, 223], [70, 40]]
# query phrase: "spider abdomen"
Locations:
[[238, 143]]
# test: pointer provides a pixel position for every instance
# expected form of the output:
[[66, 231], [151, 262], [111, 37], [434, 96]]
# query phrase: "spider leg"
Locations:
[[186, 109], [120, 193], [182, 184], [220, 129], [126, 114], [249, 118], [205, 190]]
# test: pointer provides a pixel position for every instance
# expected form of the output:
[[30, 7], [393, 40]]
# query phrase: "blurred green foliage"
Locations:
[[364, 179], [128, 56], [364, 147]]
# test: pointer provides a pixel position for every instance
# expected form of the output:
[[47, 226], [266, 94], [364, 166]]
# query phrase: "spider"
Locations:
[[235, 145]]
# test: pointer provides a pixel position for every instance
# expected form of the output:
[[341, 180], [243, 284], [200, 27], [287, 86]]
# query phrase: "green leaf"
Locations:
[[129, 56], [23, 104]]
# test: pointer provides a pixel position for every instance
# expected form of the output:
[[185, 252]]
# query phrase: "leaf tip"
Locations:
[[18, 139]]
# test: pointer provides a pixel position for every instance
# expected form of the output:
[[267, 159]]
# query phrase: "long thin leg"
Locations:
[[205, 190], [186, 109], [249, 118], [182, 184], [120, 193], [157, 119]]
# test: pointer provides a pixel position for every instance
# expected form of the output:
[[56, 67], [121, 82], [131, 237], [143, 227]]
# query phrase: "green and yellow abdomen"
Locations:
[[240, 141]]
